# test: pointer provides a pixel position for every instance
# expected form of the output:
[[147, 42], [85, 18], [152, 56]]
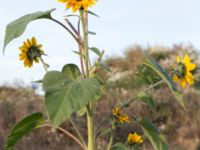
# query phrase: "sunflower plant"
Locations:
[[77, 89]]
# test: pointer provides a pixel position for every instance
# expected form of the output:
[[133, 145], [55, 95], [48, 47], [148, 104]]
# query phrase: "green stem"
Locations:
[[44, 64], [110, 142], [81, 56], [84, 21], [70, 32], [78, 133], [111, 136], [91, 140]]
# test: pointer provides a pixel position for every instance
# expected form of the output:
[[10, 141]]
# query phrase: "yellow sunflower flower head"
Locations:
[[78, 4], [183, 72], [30, 52], [122, 118], [134, 138]]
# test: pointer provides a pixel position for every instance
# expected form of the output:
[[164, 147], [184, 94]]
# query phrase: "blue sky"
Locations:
[[122, 24]]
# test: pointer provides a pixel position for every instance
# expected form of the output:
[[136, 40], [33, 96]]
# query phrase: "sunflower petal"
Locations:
[[183, 82], [190, 66], [62, 1], [75, 4], [189, 78], [34, 41], [186, 59]]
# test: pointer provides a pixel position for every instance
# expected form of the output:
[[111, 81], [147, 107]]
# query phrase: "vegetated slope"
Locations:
[[126, 78]]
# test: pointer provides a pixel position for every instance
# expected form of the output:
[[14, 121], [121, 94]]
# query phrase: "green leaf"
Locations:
[[81, 112], [120, 146], [92, 33], [24, 127], [152, 133], [166, 78], [146, 99], [105, 67], [64, 96], [96, 51], [37, 81], [17, 27], [92, 13], [78, 53], [71, 71]]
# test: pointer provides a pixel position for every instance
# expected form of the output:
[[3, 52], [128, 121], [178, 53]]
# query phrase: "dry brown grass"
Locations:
[[179, 127]]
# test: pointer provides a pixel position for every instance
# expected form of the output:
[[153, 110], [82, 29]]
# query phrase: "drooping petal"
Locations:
[[34, 41], [22, 56], [29, 43]]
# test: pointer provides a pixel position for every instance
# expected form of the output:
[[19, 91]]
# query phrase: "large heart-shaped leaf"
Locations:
[[64, 96], [166, 78], [17, 27], [24, 127], [152, 133]]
